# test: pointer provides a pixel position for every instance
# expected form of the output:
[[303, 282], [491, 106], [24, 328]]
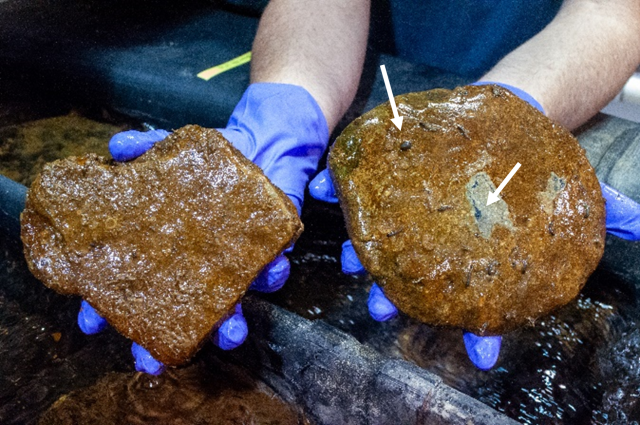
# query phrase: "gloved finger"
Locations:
[[483, 351], [623, 214], [273, 276], [89, 321], [232, 332], [128, 145], [321, 187], [349, 260], [380, 308], [235, 136], [145, 361], [297, 202]]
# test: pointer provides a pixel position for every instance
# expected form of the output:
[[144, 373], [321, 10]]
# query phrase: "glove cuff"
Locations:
[[281, 128], [515, 90], [286, 105]]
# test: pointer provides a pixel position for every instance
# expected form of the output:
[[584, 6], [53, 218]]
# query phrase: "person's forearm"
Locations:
[[319, 45], [579, 62]]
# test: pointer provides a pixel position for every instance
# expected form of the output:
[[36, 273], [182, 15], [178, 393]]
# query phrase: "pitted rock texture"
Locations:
[[415, 207], [163, 246]]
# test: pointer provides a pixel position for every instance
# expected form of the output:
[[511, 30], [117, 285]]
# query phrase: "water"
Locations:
[[205, 392]]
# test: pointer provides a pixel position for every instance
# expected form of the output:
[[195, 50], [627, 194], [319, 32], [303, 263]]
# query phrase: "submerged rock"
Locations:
[[163, 246], [415, 205], [202, 393]]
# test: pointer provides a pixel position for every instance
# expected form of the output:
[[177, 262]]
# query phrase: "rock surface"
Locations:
[[163, 246], [415, 207]]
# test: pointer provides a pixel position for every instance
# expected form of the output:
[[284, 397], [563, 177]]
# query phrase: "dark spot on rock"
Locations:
[[492, 268], [556, 183], [463, 131], [551, 230], [477, 213], [442, 208], [395, 232], [429, 126], [518, 262], [405, 146]]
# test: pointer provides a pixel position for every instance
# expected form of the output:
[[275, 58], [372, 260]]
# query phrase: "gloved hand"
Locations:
[[623, 220], [279, 127]]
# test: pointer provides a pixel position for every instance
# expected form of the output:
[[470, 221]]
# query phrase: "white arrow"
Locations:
[[493, 197], [397, 120]]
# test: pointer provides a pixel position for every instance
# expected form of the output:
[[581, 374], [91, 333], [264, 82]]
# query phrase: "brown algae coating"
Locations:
[[189, 395], [163, 246], [415, 207]]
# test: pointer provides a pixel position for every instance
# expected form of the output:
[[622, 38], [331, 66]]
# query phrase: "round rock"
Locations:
[[415, 205]]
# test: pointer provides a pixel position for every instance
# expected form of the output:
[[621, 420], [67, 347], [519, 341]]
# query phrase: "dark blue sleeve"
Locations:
[[466, 37]]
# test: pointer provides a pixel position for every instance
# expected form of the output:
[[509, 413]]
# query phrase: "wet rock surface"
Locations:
[[415, 207], [163, 246]]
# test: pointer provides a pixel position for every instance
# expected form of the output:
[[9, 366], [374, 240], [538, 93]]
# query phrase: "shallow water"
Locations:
[[205, 392]]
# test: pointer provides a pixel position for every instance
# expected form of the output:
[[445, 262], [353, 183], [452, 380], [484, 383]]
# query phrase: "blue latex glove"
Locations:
[[623, 214], [279, 127], [623, 220]]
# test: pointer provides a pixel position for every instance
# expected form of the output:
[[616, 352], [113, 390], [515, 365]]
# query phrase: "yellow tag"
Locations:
[[208, 74]]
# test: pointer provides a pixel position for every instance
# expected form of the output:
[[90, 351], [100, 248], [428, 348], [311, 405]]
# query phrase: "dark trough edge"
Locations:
[[12, 199], [340, 381]]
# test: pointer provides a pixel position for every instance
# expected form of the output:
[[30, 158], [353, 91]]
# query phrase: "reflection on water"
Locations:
[[544, 373], [202, 393]]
